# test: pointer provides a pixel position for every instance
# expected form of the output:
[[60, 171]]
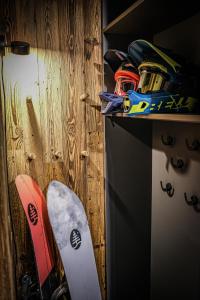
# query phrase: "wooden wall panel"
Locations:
[[94, 136], [45, 116], [7, 270]]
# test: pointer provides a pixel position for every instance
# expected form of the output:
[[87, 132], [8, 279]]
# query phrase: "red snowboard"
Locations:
[[35, 208]]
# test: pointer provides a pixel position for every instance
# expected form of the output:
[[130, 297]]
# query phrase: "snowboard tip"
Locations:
[[20, 177], [54, 184], [53, 187]]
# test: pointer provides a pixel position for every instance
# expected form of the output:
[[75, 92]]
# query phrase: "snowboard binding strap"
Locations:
[[30, 290], [60, 291], [110, 103]]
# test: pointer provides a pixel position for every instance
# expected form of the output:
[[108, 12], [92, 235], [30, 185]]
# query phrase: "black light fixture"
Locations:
[[21, 48], [17, 47]]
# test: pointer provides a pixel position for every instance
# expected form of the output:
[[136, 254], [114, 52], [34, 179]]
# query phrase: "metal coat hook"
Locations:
[[194, 146], [168, 189], [168, 141], [178, 163], [193, 201]]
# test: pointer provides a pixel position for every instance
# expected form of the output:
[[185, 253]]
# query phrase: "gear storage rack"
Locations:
[[152, 167]]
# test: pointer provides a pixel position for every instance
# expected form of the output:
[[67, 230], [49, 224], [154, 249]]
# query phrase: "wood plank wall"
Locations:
[[52, 115], [7, 270]]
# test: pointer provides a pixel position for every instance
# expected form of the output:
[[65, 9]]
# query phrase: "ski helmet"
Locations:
[[126, 78], [158, 71], [115, 58]]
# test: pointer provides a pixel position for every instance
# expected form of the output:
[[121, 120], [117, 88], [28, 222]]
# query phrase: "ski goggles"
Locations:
[[110, 103], [153, 77], [125, 81]]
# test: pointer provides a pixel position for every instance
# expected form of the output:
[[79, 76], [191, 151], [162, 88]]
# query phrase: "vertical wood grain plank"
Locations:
[[20, 77], [7, 270], [71, 30], [94, 129], [93, 63], [49, 61]]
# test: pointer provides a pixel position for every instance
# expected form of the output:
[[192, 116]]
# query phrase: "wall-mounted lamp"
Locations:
[[17, 47]]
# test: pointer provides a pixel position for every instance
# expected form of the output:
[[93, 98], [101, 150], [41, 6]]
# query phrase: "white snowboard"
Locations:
[[70, 227]]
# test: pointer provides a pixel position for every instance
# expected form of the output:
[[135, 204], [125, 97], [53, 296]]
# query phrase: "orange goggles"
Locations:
[[125, 81]]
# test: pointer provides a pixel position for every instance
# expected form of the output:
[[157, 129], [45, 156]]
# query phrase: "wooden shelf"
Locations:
[[145, 17], [163, 117]]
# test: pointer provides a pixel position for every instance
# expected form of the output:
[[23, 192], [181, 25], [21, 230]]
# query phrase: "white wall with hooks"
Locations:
[[175, 228]]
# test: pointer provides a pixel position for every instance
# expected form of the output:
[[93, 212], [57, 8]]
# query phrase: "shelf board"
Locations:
[[121, 18], [147, 17], [163, 117]]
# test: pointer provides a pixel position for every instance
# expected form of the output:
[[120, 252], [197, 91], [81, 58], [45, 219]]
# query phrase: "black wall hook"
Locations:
[[194, 146], [168, 141], [178, 163], [168, 189], [193, 201]]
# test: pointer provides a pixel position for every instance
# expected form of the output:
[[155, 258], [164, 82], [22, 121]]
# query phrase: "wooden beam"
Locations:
[[7, 264]]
